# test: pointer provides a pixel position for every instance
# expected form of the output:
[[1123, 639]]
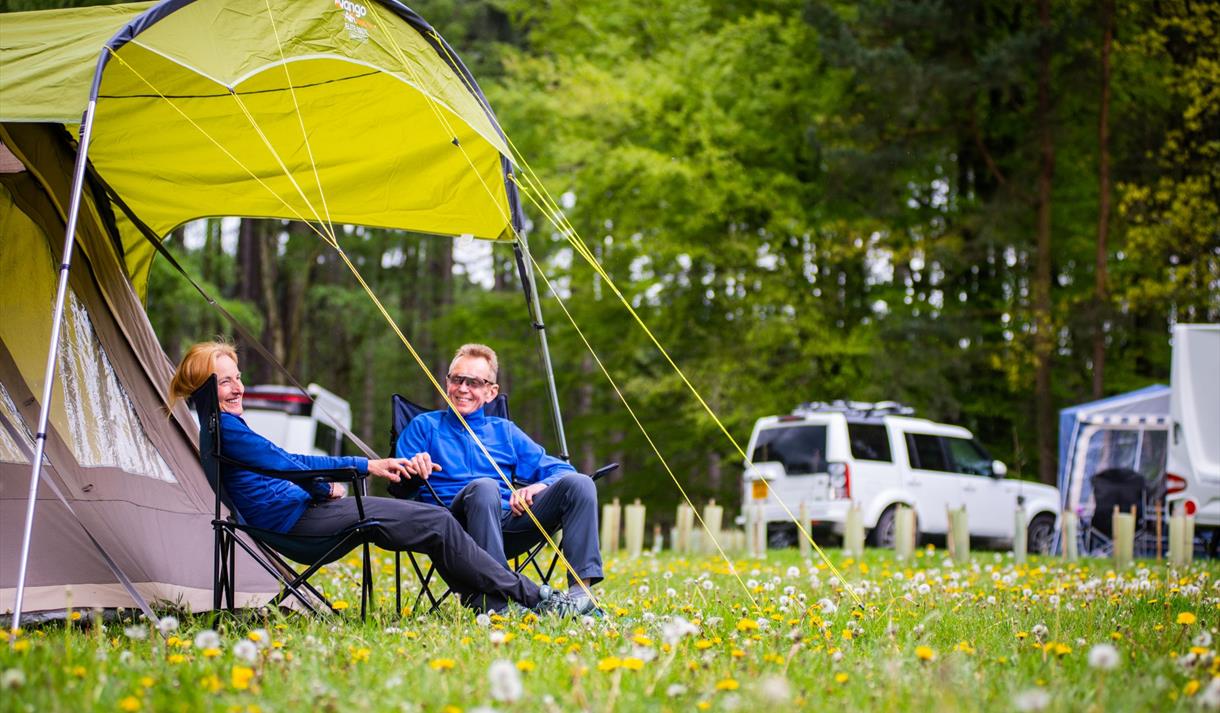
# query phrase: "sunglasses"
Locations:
[[470, 382]]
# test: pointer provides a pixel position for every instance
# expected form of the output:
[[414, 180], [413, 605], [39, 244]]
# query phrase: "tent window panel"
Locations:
[[15, 438], [1112, 449], [1153, 453], [102, 424]]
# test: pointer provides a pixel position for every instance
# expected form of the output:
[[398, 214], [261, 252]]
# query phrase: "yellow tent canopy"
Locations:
[[327, 111]]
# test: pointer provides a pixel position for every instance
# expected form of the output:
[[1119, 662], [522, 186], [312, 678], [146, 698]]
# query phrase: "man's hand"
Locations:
[[421, 465], [524, 496], [337, 491], [392, 469]]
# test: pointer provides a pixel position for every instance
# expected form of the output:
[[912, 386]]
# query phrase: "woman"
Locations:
[[282, 506]]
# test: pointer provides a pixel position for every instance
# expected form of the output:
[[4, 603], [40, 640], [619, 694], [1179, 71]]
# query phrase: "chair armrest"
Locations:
[[605, 470], [336, 475]]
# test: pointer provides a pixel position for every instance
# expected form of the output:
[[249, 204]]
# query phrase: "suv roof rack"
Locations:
[[855, 408]]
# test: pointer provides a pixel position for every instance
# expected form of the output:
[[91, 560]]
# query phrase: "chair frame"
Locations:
[[273, 547]]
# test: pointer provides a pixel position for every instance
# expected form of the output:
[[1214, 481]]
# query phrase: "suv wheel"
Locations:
[[1041, 535], [884, 533]]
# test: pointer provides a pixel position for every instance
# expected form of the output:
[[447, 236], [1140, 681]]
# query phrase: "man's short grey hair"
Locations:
[[478, 350]]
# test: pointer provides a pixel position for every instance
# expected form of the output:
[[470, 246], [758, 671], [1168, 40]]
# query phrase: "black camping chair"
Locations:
[[403, 411], [312, 551], [1114, 487]]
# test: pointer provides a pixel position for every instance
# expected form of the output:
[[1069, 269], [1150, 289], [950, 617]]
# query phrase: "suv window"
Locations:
[[870, 441], [926, 453], [967, 456], [802, 449]]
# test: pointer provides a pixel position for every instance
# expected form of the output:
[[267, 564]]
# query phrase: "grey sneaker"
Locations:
[[560, 604]]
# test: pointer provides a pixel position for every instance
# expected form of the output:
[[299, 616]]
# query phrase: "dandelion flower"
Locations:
[[1033, 699], [483, 620], [925, 653], [1103, 657], [1209, 700], [675, 689], [828, 607], [129, 704], [505, 679], [12, 678], [441, 664], [727, 684], [240, 677], [1186, 618]]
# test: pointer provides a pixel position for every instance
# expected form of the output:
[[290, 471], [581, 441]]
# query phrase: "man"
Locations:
[[466, 482]]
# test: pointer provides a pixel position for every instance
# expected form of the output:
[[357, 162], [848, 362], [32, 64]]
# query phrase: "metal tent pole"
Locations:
[[522, 248], [44, 411]]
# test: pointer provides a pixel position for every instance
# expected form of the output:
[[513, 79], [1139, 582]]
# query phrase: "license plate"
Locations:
[[759, 490]]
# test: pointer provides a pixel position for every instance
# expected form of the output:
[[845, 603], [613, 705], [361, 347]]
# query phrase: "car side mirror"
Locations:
[[998, 469]]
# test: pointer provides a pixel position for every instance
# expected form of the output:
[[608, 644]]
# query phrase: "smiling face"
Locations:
[[470, 384], [228, 385]]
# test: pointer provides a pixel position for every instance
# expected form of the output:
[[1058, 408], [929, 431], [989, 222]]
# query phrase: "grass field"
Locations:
[[680, 634]]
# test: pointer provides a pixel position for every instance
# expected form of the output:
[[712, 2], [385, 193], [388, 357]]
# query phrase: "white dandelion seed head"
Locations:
[[207, 639], [12, 678], [643, 590], [675, 689], [676, 629], [836, 656], [775, 689], [1104, 657], [924, 589], [496, 637], [483, 620], [126, 657], [167, 625], [1033, 699], [505, 680], [1039, 631], [136, 632], [1209, 697], [793, 572], [671, 592], [828, 607], [245, 650], [708, 584], [588, 622], [1203, 639]]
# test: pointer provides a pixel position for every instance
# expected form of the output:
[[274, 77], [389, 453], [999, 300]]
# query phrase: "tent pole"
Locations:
[[521, 248], [44, 410]]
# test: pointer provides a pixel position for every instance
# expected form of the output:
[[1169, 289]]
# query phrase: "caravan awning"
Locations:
[[326, 112]]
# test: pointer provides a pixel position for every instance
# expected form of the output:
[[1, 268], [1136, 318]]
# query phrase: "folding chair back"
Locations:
[[1121, 487], [312, 551]]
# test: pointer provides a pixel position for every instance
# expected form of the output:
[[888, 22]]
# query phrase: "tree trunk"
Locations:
[[1103, 202], [273, 333], [1044, 337]]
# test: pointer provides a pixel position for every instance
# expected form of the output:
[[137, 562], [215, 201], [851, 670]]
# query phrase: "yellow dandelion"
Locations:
[[727, 684], [210, 683], [340, 605], [738, 653], [632, 663], [21, 645], [441, 664], [451, 709], [255, 636], [965, 648], [240, 677], [176, 658], [703, 644], [642, 640], [841, 677], [147, 681], [211, 652], [129, 704], [747, 625], [924, 653], [525, 665], [1060, 649], [1022, 635], [79, 671], [609, 663], [1186, 618], [1191, 688], [359, 654]]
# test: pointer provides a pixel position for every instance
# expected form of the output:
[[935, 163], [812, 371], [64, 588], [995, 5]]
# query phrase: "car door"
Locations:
[[990, 503], [932, 481]]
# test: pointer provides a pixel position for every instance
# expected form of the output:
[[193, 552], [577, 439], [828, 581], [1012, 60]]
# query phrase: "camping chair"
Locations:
[[403, 411], [313, 551], [1113, 487]]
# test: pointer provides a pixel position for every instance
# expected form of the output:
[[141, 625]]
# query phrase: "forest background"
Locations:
[[984, 209]]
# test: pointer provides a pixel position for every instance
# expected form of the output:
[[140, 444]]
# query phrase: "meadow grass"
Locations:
[[679, 633]]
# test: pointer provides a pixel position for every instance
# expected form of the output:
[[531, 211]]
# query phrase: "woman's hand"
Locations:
[[392, 469], [337, 491]]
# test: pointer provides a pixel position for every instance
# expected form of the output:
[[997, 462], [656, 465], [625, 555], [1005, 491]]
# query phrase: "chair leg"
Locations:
[[398, 582], [366, 582]]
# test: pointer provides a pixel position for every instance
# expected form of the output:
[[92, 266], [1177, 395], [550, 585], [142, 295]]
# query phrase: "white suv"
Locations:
[[829, 456]]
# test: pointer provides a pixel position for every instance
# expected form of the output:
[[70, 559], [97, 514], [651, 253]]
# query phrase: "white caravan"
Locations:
[[1193, 466], [286, 417]]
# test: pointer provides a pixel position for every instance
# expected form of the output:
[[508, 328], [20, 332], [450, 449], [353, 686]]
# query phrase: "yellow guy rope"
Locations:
[[377, 302], [559, 220]]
